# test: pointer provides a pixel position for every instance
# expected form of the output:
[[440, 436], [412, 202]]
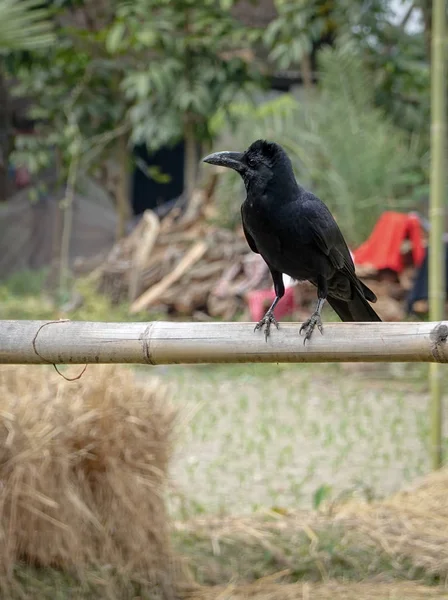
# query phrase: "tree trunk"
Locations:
[[67, 225], [307, 72], [190, 161], [426, 6], [122, 189], [5, 131]]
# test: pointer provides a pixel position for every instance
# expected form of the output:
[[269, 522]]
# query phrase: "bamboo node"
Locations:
[[439, 336], [146, 346]]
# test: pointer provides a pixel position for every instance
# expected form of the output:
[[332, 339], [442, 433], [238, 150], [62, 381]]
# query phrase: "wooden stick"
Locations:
[[144, 247], [160, 343], [191, 257]]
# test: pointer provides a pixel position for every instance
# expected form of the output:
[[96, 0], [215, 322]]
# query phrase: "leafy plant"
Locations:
[[395, 57], [322, 494], [195, 65], [151, 72], [291, 34], [24, 25]]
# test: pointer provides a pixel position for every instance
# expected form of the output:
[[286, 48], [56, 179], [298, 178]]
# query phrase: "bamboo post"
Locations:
[[162, 343], [437, 214]]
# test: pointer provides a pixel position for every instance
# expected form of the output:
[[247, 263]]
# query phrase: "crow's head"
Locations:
[[260, 162]]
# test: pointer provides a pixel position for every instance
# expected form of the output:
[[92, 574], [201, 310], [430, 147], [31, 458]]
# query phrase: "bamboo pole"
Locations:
[[437, 214], [161, 343]]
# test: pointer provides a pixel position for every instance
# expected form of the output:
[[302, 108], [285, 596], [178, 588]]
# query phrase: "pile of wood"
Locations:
[[391, 290], [184, 268]]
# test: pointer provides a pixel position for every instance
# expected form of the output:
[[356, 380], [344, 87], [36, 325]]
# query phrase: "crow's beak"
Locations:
[[231, 160]]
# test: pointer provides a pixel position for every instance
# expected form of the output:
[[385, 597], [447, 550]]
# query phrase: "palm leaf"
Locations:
[[24, 25]]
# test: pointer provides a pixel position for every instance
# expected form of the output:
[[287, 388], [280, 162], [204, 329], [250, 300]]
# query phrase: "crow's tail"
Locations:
[[356, 309]]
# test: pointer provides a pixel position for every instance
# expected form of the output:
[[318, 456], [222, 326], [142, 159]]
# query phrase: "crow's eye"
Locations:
[[251, 161]]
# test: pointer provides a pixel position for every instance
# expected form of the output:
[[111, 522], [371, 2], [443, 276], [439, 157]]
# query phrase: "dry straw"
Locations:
[[411, 527], [82, 472], [319, 591]]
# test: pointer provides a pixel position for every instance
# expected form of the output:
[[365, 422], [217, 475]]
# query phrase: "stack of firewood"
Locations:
[[184, 268]]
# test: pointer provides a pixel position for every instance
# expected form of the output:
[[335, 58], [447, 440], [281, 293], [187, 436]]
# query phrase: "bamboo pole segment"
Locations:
[[437, 210], [162, 343]]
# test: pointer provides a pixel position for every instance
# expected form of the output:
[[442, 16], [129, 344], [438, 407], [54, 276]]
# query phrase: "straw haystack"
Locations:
[[82, 472], [412, 526], [319, 591], [345, 551]]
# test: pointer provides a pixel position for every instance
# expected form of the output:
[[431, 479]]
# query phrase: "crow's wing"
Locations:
[[311, 220], [249, 238], [314, 225]]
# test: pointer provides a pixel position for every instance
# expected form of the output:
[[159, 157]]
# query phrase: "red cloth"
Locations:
[[383, 248], [23, 178], [260, 300]]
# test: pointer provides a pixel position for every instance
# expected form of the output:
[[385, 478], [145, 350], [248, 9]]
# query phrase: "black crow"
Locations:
[[296, 234]]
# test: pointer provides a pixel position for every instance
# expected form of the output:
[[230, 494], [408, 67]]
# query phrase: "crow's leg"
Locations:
[[310, 324], [269, 316]]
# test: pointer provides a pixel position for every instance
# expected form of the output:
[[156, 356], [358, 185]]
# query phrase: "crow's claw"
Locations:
[[266, 320], [310, 324]]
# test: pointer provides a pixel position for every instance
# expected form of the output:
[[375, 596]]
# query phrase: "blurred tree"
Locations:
[[195, 66], [120, 73], [399, 65], [151, 71], [298, 27], [396, 58], [24, 25]]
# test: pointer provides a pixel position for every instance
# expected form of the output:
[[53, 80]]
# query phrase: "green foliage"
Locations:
[[21, 297], [342, 147], [150, 68], [299, 25], [322, 494], [23, 283], [75, 113], [24, 296], [195, 65], [24, 25], [291, 35], [396, 59], [398, 64]]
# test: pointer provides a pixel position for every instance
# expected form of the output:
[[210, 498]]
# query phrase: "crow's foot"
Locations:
[[310, 324], [266, 320]]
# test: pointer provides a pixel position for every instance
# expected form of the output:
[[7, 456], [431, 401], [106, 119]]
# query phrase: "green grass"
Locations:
[[33, 583], [25, 295], [324, 553], [321, 554], [272, 435]]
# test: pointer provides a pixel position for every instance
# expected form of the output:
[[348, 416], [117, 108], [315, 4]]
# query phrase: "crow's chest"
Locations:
[[283, 247], [269, 230], [262, 225]]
